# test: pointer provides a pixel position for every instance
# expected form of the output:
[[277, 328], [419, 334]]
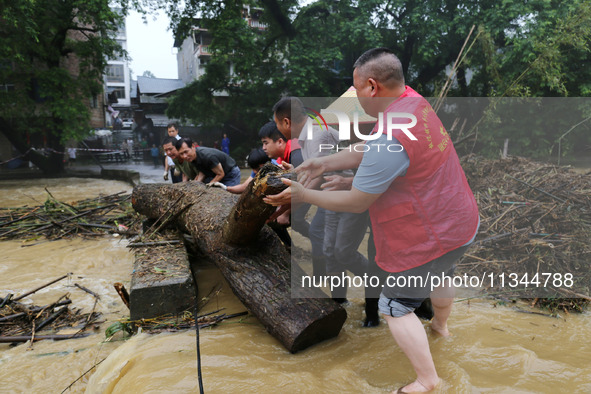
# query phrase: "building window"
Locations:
[[118, 90], [94, 101], [119, 56], [115, 73]]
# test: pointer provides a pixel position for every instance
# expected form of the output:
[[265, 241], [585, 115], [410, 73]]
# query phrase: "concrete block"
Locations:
[[161, 282]]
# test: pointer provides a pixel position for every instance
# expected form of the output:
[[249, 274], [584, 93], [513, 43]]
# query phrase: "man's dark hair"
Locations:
[[270, 130], [172, 124], [291, 108], [168, 140], [179, 143], [256, 157], [382, 65]]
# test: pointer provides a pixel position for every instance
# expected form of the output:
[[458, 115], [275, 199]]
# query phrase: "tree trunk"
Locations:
[[260, 272]]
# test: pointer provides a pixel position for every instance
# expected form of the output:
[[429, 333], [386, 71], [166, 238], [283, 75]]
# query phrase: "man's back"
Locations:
[[207, 158]]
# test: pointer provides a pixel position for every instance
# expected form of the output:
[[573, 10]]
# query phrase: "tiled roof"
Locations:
[[158, 85]]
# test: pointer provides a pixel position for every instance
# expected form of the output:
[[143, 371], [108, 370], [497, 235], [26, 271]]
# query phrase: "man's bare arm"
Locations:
[[219, 173]]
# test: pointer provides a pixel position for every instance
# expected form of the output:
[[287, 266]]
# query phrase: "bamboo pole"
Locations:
[[41, 287]]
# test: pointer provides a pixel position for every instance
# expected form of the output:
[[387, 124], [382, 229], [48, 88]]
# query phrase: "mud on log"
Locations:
[[258, 273]]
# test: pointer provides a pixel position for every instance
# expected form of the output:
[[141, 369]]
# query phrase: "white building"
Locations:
[[193, 51], [117, 81]]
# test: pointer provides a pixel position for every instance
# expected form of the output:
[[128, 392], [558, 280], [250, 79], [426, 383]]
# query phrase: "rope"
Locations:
[[199, 375]]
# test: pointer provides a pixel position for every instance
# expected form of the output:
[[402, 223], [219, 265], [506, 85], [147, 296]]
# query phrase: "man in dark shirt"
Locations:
[[213, 165]]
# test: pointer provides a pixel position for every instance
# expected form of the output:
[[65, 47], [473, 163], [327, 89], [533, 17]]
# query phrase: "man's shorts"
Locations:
[[405, 291]]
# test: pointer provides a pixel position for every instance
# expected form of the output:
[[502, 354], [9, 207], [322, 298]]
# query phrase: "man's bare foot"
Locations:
[[416, 387], [440, 329]]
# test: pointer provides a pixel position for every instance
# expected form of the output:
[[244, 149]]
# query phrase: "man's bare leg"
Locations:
[[442, 300], [412, 339]]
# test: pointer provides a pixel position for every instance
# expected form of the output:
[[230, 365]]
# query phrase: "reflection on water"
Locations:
[[494, 349]]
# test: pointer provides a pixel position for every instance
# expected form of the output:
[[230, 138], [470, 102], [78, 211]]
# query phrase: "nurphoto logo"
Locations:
[[393, 120]]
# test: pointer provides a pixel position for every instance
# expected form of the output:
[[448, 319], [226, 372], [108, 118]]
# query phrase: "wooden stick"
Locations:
[[159, 243], [98, 297], [79, 215], [67, 301], [170, 218], [41, 287], [452, 73], [51, 318], [500, 217], [34, 310], [161, 216], [572, 293], [536, 188], [6, 300], [25, 216], [96, 225], [71, 208], [122, 291], [25, 338], [81, 376], [10, 317]]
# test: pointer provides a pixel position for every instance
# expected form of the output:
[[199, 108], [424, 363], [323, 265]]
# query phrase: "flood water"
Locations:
[[494, 349]]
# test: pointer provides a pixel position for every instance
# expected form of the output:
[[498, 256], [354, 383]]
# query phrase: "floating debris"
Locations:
[[21, 323], [534, 231], [55, 219]]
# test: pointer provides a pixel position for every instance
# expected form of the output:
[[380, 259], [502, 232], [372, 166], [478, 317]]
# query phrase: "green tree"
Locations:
[[546, 54], [301, 52], [533, 48], [52, 58]]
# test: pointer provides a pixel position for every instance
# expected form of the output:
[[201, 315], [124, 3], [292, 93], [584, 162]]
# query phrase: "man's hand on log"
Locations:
[[309, 172], [283, 198], [286, 166], [294, 194], [165, 175], [217, 184]]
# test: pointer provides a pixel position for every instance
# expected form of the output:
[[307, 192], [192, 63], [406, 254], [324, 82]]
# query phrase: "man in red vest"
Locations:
[[422, 210]]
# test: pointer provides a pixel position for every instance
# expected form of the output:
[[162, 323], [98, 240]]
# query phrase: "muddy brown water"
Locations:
[[494, 349]]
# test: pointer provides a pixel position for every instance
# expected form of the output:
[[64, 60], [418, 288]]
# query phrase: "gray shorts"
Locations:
[[397, 302], [393, 307]]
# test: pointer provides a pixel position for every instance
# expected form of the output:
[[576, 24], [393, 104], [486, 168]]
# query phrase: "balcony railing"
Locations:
[[203, 50], [257, 24]]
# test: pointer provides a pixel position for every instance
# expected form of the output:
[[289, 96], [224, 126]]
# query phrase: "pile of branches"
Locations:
[[534, 231], [56, 219], [20, 322]]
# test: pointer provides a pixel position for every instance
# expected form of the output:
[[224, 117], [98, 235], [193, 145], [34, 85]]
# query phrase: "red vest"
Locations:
[[290, 146], [431, 209]]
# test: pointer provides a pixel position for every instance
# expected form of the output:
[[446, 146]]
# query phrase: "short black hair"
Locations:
[[382, 65], [172, 124], [168, 140], [256, 157], [291, 108], [270, 130], [179, 143]]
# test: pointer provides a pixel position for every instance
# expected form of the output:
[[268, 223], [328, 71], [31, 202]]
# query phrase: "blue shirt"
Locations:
[[383, 161]]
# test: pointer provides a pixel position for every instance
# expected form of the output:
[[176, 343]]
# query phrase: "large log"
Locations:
[[260, 273]]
